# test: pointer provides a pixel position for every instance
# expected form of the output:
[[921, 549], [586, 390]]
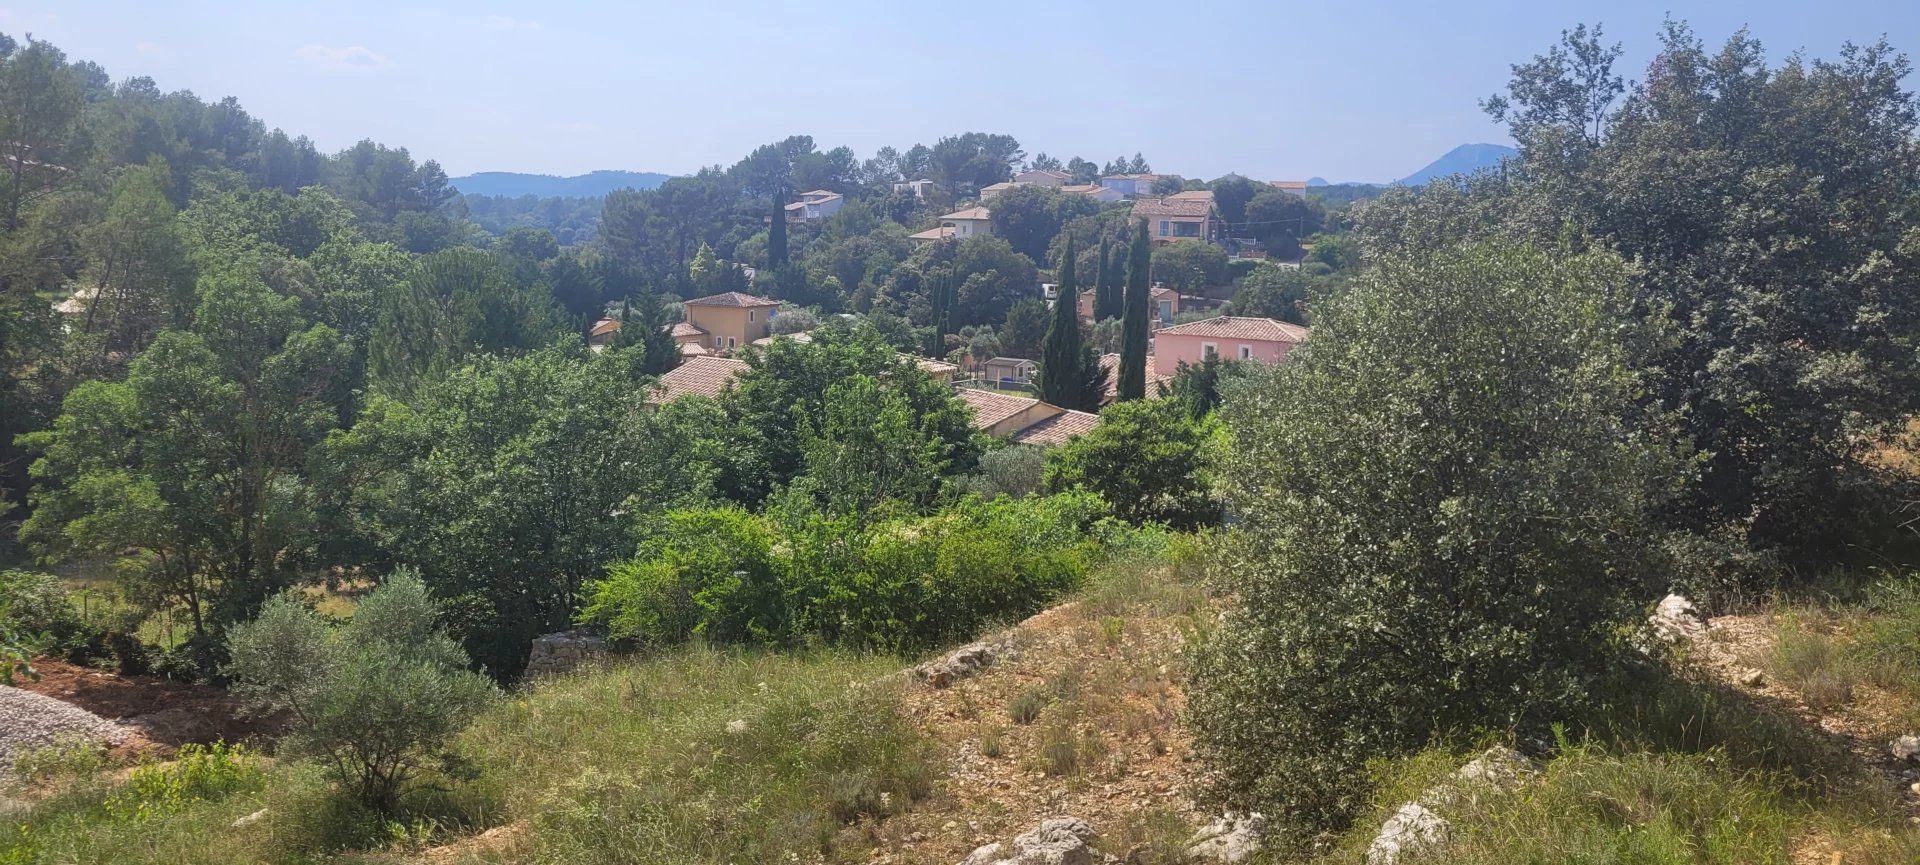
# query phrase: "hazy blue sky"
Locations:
[[1349, 90]]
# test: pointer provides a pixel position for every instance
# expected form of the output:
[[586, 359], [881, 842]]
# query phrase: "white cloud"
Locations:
[[508, 23], [346, 59]]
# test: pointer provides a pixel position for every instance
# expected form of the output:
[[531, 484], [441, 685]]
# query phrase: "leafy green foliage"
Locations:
[[1070, 373], [1442, 500], [507, 484], [1146, 459], [1190, 267], [899, 584], [1269, 291], [376, 701]]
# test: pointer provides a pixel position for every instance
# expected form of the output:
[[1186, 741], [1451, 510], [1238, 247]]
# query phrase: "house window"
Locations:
[[1163, 228], [1184, 229], [749, 315], [730, 342], [1246, 352], [1209, 350]]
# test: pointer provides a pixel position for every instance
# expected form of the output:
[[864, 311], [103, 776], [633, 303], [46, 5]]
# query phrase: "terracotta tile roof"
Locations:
[[941, 233], [970, 213], [732, 298], [1002, 186], [701, 375], [1194, 195], [935, 368], [1059, 429], [1183, 207], [1236, 327], [689, 349], [1287, 184], [687, 328], [990, 408], [1050, 172], [604, 326], [801, 337], [1111, 363]]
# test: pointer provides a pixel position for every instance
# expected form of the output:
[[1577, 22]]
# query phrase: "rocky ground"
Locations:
[[29, 720]]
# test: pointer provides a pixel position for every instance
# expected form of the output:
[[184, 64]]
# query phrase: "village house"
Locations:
[[1291, 187], [1227, 337], [1043, 177], [1164, 301], [1181, 216], [1094, 191], [724, 322], [960, 225], [1130, 185], [1020, 419], [1011, 372], [1111, 363], [818, 204], [919, 188]]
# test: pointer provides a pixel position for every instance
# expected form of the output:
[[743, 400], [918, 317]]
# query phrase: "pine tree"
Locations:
[[1060, 353], [777, 232], [1105, 305], [1133, 319], [645, 337]]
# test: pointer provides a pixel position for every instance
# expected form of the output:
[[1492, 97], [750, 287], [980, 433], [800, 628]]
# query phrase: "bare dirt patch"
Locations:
[[161, 713]]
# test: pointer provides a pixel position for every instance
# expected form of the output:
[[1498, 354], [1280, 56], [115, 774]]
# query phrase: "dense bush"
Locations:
[[1441, 503], [376, 700], [1146, 459], [899, 583]]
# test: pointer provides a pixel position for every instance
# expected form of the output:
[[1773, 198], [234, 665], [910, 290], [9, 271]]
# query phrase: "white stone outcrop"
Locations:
[[1675, 620], [1418, 824], [959, 663], [1230, 839], [1056, 841]]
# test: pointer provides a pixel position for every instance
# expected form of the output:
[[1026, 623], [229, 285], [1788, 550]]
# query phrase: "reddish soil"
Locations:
[[164, 714]]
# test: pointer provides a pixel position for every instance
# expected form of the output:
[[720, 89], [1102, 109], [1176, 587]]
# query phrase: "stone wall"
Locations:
[[559, 653]]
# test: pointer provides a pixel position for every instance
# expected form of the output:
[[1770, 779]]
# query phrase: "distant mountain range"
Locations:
[[1465, 159], [515, 184]]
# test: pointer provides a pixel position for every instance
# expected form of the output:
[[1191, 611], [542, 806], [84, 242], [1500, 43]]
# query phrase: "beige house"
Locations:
[[1291, 187], [1164, 303], [1043, 177], [1181, 216], [959, 225], [815, 204], [1095, 191], [724, 322]]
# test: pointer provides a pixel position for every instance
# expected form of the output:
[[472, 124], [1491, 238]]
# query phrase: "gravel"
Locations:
[[29, 720]]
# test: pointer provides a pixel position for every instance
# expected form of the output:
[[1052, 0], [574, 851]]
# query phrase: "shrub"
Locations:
[[375, 701], [897, 583], [1146, 460], [1442, 502], [1028, 706], [1017, 470]]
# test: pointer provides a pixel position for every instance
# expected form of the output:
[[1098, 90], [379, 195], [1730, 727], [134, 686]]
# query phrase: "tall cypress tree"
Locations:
[[1106, 286], [777, 231], [1133, 319], [942, 301], [1060, 353]]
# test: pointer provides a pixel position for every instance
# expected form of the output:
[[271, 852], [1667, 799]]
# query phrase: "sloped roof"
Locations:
[[604, 326], [702, 375], [1237, 327], [687, 328], [1190, 208], [970, 213], [1059, 429], [1111, 363], [1051, 172], [1287, 184], [738, 299], [1194, 195], [990, 408], [941, 233]]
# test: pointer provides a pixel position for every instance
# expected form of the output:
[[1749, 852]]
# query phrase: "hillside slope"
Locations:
[[592, 185], [1465, 159]]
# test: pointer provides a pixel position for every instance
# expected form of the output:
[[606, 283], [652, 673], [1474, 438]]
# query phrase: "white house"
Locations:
[[919, 188], [960, 225], [818, 204], [1102, 194], [1130, 185]]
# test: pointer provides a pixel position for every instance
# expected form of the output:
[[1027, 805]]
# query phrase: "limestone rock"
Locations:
[[250, 819], [1753, 678], [958, 664], [1409, 829], [1501, 768], [1674, 620], [1906, 748], [1230, 839], [1056, 841]]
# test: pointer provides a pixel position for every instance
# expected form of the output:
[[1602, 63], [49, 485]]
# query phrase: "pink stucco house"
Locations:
[[1229, 337]]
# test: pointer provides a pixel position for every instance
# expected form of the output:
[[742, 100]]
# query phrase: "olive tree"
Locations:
[[1440, 503]]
